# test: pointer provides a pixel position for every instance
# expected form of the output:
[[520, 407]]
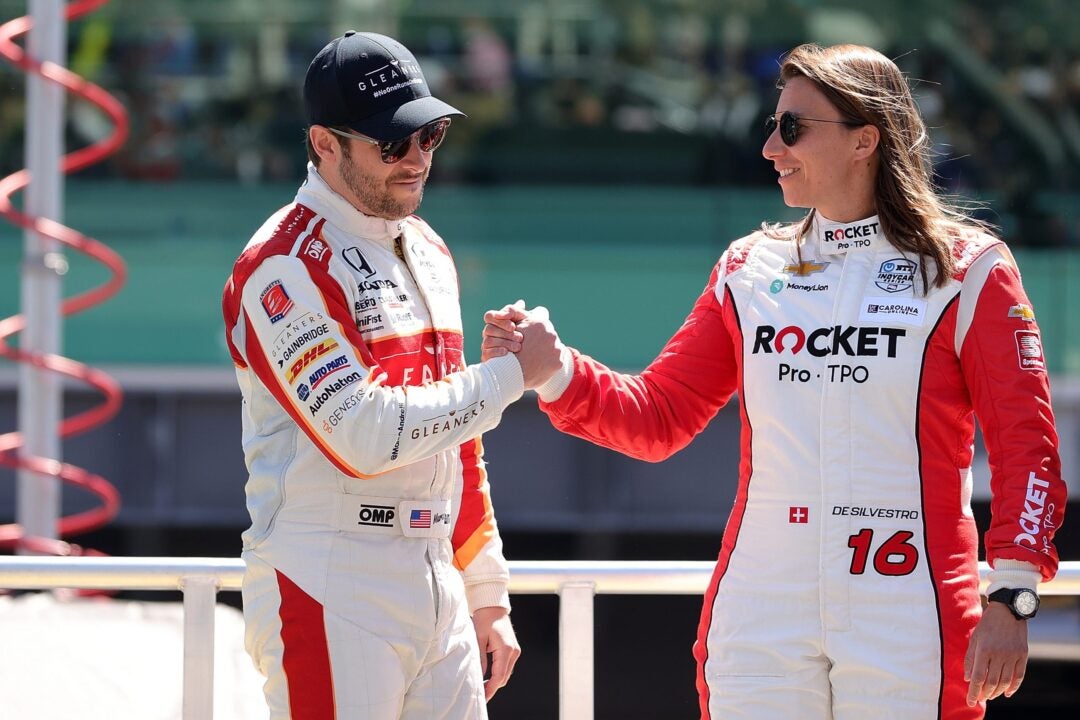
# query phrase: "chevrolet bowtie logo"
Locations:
[[805, 268], [1024, 312]]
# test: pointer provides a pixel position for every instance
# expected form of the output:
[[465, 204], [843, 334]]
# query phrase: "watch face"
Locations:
[[1026, 602]]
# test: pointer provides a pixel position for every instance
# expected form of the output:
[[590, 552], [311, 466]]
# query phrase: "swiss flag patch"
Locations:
[[798, 515]]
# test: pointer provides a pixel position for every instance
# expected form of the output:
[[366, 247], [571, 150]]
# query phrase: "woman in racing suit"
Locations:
[[862, 341]]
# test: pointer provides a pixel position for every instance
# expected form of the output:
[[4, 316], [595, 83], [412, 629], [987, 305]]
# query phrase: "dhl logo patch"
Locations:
[[310, 355]]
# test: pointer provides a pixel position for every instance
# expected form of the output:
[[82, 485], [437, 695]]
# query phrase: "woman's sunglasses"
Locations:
[[789, 125], [427, 138]]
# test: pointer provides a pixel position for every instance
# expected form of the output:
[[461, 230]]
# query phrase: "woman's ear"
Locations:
[[868, 137]]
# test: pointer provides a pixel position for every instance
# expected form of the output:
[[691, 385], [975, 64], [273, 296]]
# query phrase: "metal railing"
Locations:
[[200, 579]]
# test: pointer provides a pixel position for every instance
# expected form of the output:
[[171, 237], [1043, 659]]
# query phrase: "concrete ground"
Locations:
[[107, 659]]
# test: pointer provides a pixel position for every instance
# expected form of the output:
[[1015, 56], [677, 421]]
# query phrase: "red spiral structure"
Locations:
[[11, 535]]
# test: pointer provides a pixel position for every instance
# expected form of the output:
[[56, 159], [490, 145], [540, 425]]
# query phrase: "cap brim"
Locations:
[[404, 120]]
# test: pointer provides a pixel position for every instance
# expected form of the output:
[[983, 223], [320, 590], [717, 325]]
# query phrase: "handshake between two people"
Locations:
[[527, 333]]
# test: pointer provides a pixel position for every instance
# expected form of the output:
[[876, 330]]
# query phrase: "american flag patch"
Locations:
[[420, 519]]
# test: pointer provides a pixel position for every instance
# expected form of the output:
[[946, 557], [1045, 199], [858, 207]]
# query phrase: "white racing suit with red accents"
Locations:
[[847, 583], [372, 534]]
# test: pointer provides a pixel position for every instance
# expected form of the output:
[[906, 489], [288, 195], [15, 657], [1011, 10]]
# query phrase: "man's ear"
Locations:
[[323, 141]]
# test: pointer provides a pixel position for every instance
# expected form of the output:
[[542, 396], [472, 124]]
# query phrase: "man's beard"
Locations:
[[375, 197]]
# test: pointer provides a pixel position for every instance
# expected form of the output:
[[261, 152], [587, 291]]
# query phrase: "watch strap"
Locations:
[[1007, 597]]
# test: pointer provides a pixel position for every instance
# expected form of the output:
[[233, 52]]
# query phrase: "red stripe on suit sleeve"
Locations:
[[230, 309], [734, 523], [338, 308], [338, 311], [279, 242], [306, 655], [261, 367], [476, 519]]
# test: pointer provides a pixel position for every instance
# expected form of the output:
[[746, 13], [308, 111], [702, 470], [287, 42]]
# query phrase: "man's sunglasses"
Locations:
[[789, 125], [427, 138]]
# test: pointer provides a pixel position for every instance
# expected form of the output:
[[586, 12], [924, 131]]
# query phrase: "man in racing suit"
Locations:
[[847, 583], [372, 537]]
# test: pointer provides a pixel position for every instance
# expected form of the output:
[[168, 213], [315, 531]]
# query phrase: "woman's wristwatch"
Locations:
[[1023, 602]]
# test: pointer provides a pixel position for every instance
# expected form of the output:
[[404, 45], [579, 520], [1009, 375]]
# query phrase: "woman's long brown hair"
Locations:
[[867, 87]]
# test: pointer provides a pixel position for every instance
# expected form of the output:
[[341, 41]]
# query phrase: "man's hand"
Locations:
[[501, 335], [997, 655], [495, 635], [529, 334]]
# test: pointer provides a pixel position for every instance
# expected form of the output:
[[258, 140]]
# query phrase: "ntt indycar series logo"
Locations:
[[896, 275]]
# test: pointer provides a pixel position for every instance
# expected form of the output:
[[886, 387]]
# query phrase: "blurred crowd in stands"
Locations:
[[608, 91]]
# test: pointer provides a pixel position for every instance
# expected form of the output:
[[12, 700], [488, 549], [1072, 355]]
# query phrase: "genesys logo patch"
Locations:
[[275, 301]]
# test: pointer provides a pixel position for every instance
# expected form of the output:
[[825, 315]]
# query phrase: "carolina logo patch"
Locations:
[[906, 311]]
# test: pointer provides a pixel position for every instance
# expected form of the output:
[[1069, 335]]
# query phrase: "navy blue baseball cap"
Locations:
[[372, 84]]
